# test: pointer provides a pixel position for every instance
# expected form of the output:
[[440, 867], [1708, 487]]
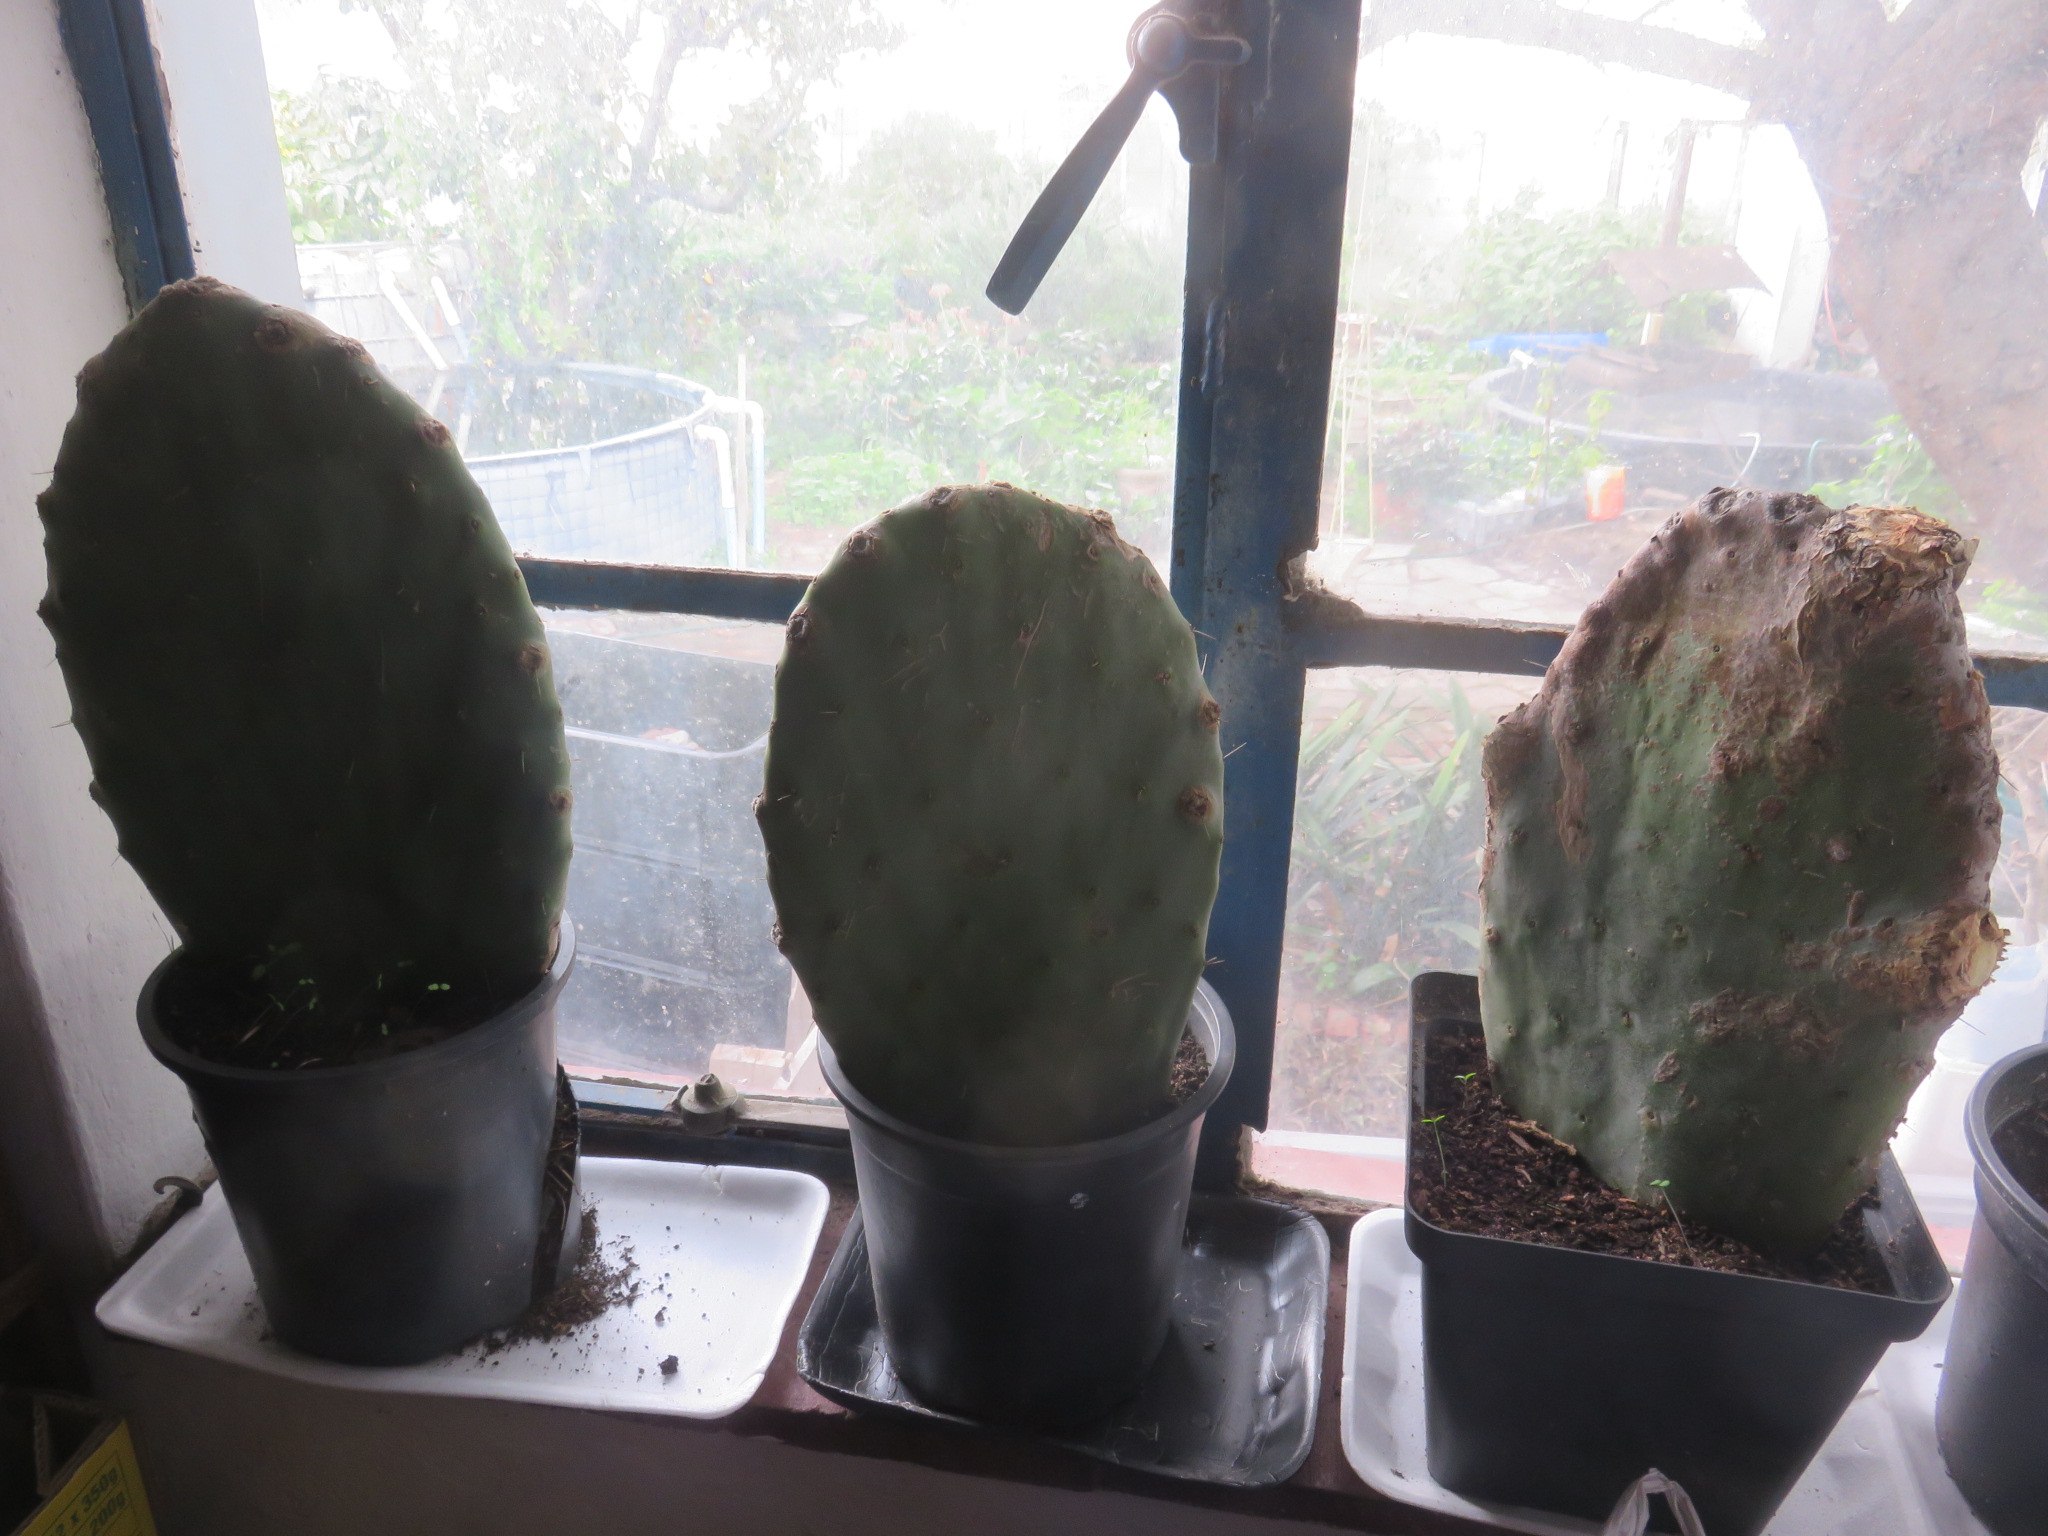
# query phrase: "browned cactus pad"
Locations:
[[1738, 859]]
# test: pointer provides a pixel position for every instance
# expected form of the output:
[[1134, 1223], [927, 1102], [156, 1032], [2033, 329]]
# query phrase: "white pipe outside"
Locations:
[[389, 288], [748, 415], [721, 443], [757, 474]]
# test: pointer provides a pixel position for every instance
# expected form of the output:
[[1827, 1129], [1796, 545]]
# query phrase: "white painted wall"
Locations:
[[211, 55], [227, 1451], [87, 1119]]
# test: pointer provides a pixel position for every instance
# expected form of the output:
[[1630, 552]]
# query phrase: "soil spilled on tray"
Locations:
[[593, 1288], [1474, 1166], [2023, 1144]]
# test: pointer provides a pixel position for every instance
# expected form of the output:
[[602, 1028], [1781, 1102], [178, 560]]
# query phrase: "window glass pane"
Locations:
[[2011, 1012], [1577, 294], [676, 969], [1390, 821], [703, 284]]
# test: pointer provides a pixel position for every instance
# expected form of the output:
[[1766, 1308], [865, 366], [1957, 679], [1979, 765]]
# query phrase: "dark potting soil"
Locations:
[[235, 1026], [558, 1178], [2023, 1143], [1474, 1166], [593, 1288], [1190, 1071]]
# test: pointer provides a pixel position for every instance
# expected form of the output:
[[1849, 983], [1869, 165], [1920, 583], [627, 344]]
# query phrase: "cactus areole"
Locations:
[[1738, 860], [315, 695], [994, 812]]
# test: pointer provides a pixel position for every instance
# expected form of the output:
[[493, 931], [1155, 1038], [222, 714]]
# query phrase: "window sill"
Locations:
[[1012, 1472], [1324, 1493], [226, 1450], [629, 1120]]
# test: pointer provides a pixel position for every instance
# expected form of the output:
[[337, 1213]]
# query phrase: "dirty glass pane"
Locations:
[[1585, 282], [2011, 1012], [676, 970], [1389, 818], [702, 284]]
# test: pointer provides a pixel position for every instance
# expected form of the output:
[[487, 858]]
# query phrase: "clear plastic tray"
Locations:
[[1232, 1398], [720, 1254]]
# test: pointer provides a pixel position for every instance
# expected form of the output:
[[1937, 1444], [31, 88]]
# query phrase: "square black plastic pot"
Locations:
[[1029, 1287], [391, 1210], [1992, 1415], [1554, 1378]]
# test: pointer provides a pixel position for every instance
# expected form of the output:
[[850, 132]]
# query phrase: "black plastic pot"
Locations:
[[391, 1210], [1992, 1415], [1553, 1378], [1032, 1286]]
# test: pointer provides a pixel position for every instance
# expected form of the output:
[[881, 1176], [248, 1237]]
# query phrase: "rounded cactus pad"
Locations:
[[1738, 858], [316, 698], [994, 813]]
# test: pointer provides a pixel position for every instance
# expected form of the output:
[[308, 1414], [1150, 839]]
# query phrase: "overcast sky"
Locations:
[[1037, 75]]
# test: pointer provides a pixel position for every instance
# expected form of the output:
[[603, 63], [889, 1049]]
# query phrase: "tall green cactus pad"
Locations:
[[994, 813], [316, 698], [1738, 860]]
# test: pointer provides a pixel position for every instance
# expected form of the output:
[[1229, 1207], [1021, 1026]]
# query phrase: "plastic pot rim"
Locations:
[[1703, 1279], [1107, 1147], [1978, 1131], [1914, 1311], [512, 1017]]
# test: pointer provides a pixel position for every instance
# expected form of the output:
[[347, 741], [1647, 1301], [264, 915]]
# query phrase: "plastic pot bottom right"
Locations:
[[1554, 1378], [1993, 1406]]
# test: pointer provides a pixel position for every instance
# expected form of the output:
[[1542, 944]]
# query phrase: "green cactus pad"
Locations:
[[316, 698], [994, 813], [1738, 860]]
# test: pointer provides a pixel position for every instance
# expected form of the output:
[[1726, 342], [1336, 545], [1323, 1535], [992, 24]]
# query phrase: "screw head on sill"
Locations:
[[708, 1107]]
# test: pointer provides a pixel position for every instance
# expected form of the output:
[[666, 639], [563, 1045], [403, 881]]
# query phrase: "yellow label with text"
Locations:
[[103, 1498]]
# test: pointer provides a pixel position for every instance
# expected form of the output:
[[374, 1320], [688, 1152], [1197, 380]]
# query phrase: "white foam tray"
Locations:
[[1878, 1475], [720, 1255]]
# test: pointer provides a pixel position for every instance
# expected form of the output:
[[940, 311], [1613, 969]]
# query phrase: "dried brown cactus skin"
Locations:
[[1738, 860]]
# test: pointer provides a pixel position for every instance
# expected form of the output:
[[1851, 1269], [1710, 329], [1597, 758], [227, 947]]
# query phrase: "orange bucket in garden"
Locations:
[[1606, 492]]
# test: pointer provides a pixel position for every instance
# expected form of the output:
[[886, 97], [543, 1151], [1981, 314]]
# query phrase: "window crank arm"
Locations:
[[1170, 54]]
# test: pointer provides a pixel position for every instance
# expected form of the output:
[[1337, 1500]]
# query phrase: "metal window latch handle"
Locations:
[[1171, 54]]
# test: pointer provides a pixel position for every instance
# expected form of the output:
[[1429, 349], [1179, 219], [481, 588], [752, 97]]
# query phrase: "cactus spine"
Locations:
[[314, 693], [994, 812], [1738, 860]]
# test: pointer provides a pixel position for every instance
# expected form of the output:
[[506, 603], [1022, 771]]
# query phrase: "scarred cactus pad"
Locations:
[[1738, 860], [994, 813]]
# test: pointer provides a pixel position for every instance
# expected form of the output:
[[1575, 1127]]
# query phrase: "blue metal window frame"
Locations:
[[1265, 239], [114, 63]]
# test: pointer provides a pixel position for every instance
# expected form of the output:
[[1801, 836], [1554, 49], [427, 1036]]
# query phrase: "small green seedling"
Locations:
[[1663, 1187], [1432, 1122], [1466, 1077]]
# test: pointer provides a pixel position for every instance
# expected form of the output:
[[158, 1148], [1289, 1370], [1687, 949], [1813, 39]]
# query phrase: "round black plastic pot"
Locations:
[[1552, 1379], [391, 1210], [1994, 1384], [1029, 1286]]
